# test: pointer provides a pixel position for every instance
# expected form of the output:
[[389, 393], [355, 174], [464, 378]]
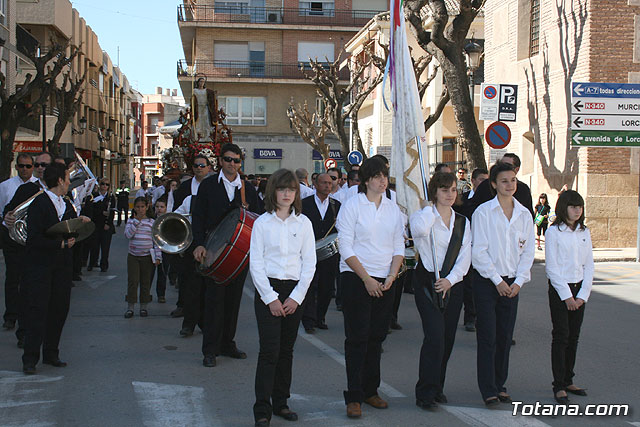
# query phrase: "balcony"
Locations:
[[151, 130], [241, 14], [25, 42], [240, 69]]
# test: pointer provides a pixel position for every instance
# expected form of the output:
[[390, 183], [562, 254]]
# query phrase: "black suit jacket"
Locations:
[[99, 219], [44, 251], [483, 194], [320, 226], [182, 192], [21, 195], [463, 207], [212, 205]]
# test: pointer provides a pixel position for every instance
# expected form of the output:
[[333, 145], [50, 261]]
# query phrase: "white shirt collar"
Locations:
[[58, 203], [517, 206], [452, 220], [292, 217], [325, 202], [363, 199], [236, 182]]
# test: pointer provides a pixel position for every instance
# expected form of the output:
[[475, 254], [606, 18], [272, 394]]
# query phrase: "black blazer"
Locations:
[[21, 195], [99, 219], [483, 194], [212, 205], [182, 192], [320, 226], [463, 207], [45, 252]]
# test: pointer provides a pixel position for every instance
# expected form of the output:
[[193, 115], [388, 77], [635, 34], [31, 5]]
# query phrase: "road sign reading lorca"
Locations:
[[605, 114], [498, 102]]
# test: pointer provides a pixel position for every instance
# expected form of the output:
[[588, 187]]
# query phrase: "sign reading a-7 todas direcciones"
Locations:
[[605, 114]]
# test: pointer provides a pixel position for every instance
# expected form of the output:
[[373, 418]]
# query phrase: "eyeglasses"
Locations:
[[235, 160], [105, 183], [21, 166], [333, 178], [41, 165], [200, 165]]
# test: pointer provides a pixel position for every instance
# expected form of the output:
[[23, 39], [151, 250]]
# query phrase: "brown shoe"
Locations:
[[377, 402], [353, 410]]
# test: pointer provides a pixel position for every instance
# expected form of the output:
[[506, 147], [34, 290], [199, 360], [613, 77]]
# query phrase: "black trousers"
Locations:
[[101, 245], [77, 257], [277, 338], [496, 318], [162, 271], [318, 298], [439, 329], [401, 284], [193, 286], [565, 334], [366, 323], [47, 306], [14, 254], [120, 211], [221, 307], [469, 306], [176, 273]]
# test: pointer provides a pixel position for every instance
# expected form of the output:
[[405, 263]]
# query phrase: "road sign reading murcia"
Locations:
[[498, 102], [605, 114]]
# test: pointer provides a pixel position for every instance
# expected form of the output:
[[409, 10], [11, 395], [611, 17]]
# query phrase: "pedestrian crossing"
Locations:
[[28, 400]]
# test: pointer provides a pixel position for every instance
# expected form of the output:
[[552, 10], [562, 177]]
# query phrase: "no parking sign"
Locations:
[[498, 135]]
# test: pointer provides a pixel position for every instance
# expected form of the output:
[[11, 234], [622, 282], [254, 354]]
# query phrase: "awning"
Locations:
[[170, 128]]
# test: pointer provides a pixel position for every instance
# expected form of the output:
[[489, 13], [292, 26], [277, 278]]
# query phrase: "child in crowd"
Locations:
[[542, 210], [142, 256], [161, 282]]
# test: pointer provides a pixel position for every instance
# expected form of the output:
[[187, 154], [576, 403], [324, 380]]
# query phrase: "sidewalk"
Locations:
[[601, 254]]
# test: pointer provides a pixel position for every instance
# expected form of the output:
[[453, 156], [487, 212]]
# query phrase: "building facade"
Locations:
[[543, 47], [250, 53]]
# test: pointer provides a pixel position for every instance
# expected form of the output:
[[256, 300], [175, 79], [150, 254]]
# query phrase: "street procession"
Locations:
[[360, 212]]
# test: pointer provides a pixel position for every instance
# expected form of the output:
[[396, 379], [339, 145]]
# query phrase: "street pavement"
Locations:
[[139, 371]]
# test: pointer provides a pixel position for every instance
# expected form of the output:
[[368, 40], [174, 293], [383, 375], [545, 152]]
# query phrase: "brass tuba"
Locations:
[[172, 233], [18, 232]]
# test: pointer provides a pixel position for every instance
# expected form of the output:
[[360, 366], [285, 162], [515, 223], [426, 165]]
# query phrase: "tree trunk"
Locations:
[[9, 128]]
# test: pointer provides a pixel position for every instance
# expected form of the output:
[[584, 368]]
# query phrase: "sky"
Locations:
[[146, 32]]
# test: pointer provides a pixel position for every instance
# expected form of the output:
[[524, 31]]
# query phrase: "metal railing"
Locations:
[[25, 42], [275, 15], [242, 69]]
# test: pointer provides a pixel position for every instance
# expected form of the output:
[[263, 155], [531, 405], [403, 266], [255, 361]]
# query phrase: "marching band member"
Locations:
[[370, 231], [217, 196], [439, 321], [502, 255], [283, 260], [569, 266], [103, 211], [47, 283]]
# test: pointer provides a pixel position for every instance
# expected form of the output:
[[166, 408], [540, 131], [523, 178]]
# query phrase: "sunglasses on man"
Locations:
[[235, 160], [200, 165], [38, 165], [22, 166], [333, 178]]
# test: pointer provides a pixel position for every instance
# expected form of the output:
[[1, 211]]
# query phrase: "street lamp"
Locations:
[[83, 127], [473, 52]]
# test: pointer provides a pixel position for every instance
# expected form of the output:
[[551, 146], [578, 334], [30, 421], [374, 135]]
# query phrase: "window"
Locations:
[[231, 7], [244, 110], [101, 82], [317, 8], [3, 12], [322, 51], [534, 41]]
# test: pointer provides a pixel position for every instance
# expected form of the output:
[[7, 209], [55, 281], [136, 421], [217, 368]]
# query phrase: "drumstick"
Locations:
[[333, 225]]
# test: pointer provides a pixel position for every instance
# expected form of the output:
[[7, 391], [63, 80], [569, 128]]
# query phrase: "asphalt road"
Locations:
[[131, 372]]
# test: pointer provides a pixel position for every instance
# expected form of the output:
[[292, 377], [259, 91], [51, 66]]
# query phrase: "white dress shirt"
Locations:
[[471, 193], [284, 250], [141, 193], [185, 207], [305, 191], [195, 184], [58, 202], [373, 235], [157, 193], [229, 185], [322, 205], [427, 219], [569, 259], [170, 202], [502, 247], [345, 194], [8, 188]]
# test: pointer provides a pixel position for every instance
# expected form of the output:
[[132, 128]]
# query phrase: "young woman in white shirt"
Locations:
[[502, 256], [569, 266], [439, 322], [282, 265], [371, 243]]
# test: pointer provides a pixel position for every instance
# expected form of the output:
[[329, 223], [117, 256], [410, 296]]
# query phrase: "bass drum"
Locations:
[[228, 247]]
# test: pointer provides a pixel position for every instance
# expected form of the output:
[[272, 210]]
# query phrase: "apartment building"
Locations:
[[158, 110], [8, 50], [101, 129], [249, 51], [543, 47]]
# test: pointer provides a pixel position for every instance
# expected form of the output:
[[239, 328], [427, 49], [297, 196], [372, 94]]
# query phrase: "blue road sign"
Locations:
[[498, 135], [355, 157], [605, 90]]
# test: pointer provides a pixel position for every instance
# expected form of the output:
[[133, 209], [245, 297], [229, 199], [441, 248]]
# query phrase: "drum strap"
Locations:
[[243, 197]]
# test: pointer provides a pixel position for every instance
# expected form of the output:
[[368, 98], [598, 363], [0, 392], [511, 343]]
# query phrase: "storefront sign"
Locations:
[[27, 146], [333, 154], [267, 153]]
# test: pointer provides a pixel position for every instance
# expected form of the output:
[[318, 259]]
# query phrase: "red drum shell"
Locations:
[[233, 248]]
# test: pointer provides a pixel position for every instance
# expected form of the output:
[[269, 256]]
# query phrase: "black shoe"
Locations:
[[505, 398], [55, 362], [469, 327], [143, 312], [396, 326], [20, 343], [562, 400], [262, 422], [76, 278], [492, 402], [429, 406], [186, 332], [513, 342], [577, 392], [322, 325], [29, 369], [178, 312], [128, 314], [339, 307], [287, 414], [441, 398], [310, 330], [234, 353], [102, 270], [162, 300], [89, 268], [9, 324], [209, 361]]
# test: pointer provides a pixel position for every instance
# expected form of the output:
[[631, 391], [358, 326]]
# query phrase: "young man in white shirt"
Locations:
[[502, 255]]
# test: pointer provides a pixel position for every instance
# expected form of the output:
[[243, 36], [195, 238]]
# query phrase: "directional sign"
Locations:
[[498, 135], [330, 163], [355, 157], [605, 114], [498, 102]]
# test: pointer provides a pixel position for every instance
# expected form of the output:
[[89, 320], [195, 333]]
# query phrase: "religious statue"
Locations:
[[204, 108]]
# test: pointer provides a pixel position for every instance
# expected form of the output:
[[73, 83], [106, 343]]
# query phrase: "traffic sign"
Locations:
[[605, 114], [508, 105], [490, 92], [355, 157], [498, 102], [498, 135], [330, 163]]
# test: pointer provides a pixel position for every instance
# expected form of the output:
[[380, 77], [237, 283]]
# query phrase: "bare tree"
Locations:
[[28, 99], [312, 128], [446, 42], [68, 102]]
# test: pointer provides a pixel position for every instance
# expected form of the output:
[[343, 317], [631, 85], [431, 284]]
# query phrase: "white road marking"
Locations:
[[482, 417], [634, 423], [334, 354], [21, 399], [95, 281], [171, 405]]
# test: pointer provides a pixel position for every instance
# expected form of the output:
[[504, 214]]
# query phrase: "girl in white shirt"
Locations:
[[569, 266], [283, 262], [502, 255], [371, 243], [438, 323]]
